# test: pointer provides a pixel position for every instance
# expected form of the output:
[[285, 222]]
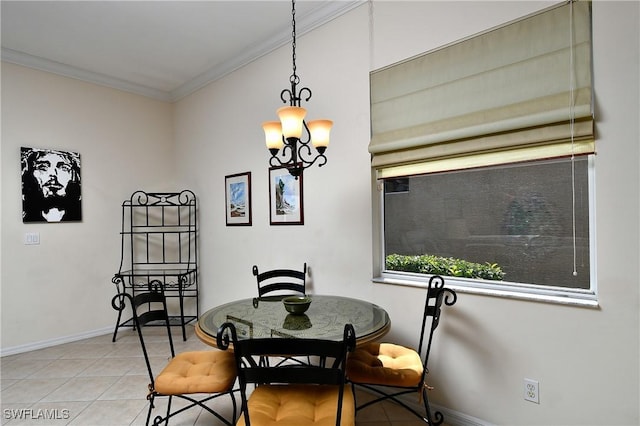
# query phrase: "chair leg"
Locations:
[[181, 300], [193, 402], [120, 310], [234, 416], [150, 398], [435, 420], [168, 410], [115, 332], [158, 420]]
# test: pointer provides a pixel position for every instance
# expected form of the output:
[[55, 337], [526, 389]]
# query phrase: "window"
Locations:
[[519, 217], [484, 163]]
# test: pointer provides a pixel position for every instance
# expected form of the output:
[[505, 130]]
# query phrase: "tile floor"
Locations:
[[96, 382]]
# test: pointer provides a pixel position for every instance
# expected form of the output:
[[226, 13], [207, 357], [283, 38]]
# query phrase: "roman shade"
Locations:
[[518, 92]]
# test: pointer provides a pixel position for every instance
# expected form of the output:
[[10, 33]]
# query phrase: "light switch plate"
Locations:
[[32, 238]]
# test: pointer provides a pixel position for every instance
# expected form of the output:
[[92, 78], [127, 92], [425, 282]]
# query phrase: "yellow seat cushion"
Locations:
[[385, 364], [197, 372], [299, 405]]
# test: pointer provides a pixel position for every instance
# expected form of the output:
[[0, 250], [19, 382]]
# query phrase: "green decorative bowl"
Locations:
[[297, 305]]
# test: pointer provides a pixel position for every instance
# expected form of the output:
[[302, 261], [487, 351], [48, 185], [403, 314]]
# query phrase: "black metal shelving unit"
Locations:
[[160, 247]]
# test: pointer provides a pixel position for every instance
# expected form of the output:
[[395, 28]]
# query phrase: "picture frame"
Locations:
[[51, 185], [238, 199], [286, 205]]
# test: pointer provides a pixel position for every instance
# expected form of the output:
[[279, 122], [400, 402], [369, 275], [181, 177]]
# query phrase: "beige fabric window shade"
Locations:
[[521, 91]]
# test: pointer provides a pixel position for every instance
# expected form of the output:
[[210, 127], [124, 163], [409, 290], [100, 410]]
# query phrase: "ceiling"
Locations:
[[160, 49]]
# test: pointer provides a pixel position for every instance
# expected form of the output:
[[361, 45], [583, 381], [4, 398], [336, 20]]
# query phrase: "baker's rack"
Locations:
[[159, 246]]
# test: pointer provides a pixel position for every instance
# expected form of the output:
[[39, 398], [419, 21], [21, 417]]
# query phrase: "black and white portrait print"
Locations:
[[50, 185]]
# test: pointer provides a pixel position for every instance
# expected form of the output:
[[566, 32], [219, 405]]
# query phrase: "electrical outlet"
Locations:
[[532, 390]]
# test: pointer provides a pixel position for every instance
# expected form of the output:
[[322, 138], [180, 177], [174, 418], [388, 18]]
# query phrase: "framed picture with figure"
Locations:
[[285, 198], [51, 188], [238, 199]]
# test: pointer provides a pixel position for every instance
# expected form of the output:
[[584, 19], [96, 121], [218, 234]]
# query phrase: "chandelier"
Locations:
[[292, 134]]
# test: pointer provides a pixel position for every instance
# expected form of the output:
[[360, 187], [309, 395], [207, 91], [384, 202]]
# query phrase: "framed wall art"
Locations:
[[285, 198], [50, 185], [238, 199]]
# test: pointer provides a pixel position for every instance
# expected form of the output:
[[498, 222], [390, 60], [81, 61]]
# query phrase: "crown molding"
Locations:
[[42, 64], [321, 15], [304, 24]]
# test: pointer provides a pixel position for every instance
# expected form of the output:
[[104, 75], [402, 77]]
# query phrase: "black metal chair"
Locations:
[[389, 370], [281, 281], [300, 395], [211, 372]]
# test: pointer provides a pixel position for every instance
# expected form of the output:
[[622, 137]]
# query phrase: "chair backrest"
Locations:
[[148, 308], [330, 370], [437, 293], [284, 281]]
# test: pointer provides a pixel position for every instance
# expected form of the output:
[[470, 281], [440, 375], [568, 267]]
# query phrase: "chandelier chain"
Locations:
[[294, 76]]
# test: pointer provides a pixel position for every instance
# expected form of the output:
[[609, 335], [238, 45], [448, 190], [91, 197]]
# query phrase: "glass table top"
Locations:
[[325, 319]]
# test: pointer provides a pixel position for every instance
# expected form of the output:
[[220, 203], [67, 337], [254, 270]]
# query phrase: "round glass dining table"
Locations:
[[325, 319]]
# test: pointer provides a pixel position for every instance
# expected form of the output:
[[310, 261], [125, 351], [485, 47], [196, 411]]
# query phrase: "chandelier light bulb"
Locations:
[[291, 118], [319, 130], [273, 135]]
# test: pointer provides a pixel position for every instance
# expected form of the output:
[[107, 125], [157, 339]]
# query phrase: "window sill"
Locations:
[[569, 297]]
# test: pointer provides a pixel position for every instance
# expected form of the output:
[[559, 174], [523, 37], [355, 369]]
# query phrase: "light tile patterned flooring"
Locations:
[[96, 382]]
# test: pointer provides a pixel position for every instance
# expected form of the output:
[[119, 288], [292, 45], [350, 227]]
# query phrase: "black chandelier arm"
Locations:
[[303, 90], [293, 148], [320, 158], [293, 96], [274, 161], [308, 136], [300, 156], [296, 169], [304, 146]]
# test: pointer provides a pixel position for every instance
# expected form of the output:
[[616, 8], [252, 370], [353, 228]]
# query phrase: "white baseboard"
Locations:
[[451, 417], [456, 418], [54, 342]]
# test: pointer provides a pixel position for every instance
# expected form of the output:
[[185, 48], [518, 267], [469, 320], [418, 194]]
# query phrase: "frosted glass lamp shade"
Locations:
[[273, 134], [291, 118], [319, 130]]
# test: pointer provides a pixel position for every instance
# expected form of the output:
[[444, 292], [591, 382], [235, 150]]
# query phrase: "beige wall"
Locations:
[[585, 359], [62, 287], [218, 131]]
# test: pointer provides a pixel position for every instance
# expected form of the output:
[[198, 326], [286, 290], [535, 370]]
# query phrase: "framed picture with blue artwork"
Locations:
[[285, 198], [238, 199]]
